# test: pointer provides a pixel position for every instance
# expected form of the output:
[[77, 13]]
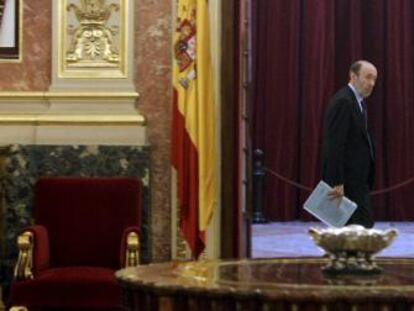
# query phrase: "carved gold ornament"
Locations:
[[92, 40]]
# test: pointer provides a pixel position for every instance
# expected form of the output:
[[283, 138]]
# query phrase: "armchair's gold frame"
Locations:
[[24, 265], [132, 255]]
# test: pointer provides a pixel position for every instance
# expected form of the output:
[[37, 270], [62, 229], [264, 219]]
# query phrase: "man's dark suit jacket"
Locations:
[[347, 157]]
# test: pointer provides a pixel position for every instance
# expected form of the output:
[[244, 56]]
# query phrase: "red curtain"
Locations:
[[301, 55]]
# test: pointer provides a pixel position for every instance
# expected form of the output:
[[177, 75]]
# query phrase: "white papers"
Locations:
[[333, 212]]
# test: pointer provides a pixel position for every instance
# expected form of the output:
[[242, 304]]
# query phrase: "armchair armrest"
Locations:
[[130, 247], [24, 264], [33, 245]]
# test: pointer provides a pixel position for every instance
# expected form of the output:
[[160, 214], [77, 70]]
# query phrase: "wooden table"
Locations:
[[295, 284]]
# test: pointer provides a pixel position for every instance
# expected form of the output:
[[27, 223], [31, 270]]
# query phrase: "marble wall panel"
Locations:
[[153, 82]]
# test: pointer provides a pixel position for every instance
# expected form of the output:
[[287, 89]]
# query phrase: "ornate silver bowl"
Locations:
[[351, 249]]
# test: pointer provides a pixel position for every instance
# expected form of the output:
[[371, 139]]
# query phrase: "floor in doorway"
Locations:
[[290, 239]]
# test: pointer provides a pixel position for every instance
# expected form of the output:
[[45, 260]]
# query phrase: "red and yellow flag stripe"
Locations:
[[194, 141]]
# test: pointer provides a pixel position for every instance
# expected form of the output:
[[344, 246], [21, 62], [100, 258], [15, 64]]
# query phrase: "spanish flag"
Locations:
[[193, 124]]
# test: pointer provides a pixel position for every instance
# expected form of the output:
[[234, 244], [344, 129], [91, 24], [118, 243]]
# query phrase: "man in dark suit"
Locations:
[[347, 151]]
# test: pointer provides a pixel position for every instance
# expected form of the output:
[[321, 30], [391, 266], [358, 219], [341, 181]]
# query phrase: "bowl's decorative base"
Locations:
[[353, 279], [358, 263], [330, 271], [351, 249]]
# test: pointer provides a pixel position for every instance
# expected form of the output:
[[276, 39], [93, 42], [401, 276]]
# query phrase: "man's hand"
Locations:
[[336, 192]]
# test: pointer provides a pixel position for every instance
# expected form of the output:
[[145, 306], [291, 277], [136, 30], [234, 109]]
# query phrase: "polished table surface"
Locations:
[[265, 284]]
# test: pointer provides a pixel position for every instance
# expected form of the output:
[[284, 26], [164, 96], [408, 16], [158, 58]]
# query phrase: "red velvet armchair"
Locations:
[[85, 229]]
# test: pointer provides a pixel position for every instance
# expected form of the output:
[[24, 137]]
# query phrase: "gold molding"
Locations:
[[21, 26], [73, 119], [16, 95], [56, 118]]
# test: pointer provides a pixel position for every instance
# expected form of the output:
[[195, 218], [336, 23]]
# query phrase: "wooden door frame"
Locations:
[[235, 215]]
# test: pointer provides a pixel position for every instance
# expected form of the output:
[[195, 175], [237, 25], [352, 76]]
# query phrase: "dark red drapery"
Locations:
[[302, 51]]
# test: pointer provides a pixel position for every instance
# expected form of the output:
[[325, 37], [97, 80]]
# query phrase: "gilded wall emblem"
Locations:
[[93, 38]]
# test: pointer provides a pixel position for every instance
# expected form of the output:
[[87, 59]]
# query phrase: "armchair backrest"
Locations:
[[85, 217]]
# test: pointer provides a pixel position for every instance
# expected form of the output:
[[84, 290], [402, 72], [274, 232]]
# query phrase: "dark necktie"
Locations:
[[364, 112]]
